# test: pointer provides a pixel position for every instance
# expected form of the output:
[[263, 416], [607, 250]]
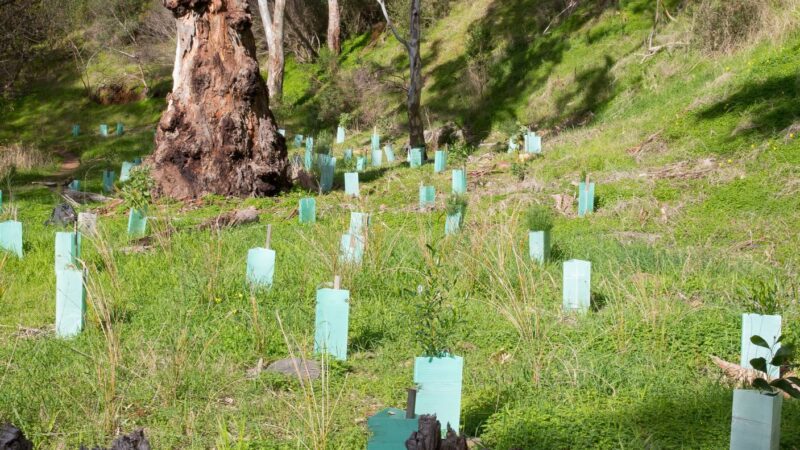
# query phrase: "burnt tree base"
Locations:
[[429, 437]]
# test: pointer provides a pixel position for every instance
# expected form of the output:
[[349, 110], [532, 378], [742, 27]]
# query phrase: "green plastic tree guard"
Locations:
[[348, 154], [459, 181], [282, 132], [415, 157], [70, 302], [376, 142], [390, 429], [339, 135], [125, 171], [298, 140], [439, 161], [756, 421], [389, 153], [585, 199], [75, 185], [439, 392], [427, 196], [513, 146], [327, 167], [359, 222], [260, 266], [68, 250], [11, 237], [120, 129], [453, 223], [577, 285], [351, 248], [769, 328], [104, 130], [308, 210], [361, 163], [377, 158], [137, 222], [108, 181], [76, 130], [539, 246], [331, 322], [351, 184]]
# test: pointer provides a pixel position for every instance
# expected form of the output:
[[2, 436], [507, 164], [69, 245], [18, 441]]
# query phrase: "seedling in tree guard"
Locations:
[[331, 322], [784, 357], [540, 222], [261, 263]]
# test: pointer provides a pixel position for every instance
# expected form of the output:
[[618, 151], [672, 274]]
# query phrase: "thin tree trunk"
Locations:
[[218, 135], [334, 27], [273, 28]]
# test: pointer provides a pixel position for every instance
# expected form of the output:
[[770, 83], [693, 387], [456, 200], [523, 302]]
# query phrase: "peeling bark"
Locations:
[[218, 135], [334, 27]]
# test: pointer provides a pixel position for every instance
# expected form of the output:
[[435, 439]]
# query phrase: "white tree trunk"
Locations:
[[334, 27], [273, 29]]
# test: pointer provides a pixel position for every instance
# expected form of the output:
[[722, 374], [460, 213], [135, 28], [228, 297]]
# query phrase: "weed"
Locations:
[[539, 218]]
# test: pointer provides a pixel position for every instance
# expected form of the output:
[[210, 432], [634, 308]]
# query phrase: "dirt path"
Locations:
[[69, 162]]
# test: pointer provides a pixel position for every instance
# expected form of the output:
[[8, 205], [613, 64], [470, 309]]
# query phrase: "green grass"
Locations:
[[669, 256]]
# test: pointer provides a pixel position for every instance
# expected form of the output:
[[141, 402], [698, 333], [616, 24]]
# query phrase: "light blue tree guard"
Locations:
[[70, 302], [415, 157], [75, 185], [137, 222], [11, 237], [68, 250], [125, 171], [512, 145], [361, 163], [389, 153], [453, 223], [327, 169], [137, 161], [339, 135], [120, 129], [533, 143], [459, 181], [427, 196], [585, 199], [389, 429], [310, 144], [76, 130], [108, 181], [298, 140], [308, 159], [282, 132], [348, 154], [769, 328], [1, 201], [577, 285], [377, 158], [351, 184], [376, 141], [104, 130], [439, 381], [756, 421], [260, 266], [439, 161], [351, 248], [308, 210], [539, 245], [331, 322], [359, 222]]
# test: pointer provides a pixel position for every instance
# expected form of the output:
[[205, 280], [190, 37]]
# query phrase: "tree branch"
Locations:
[[391, 25]]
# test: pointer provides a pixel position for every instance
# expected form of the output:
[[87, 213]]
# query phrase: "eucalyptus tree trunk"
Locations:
[[334, 27], [273, 28], [217, 135], [416, 130]]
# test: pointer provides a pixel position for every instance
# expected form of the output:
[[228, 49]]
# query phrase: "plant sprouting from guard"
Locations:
[[539, 218], [437, 316], [766, 297], [456, 203], [137, 190], [784, 358], [345, 119]]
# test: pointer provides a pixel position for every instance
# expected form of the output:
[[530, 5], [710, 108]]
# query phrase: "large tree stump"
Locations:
[[218, 134]]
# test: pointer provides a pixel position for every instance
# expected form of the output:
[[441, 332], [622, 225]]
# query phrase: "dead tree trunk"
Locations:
[[218, 134], [334, 27], [273, 28], [416, 130]]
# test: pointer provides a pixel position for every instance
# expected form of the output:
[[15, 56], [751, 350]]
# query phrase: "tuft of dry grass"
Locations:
[[20, 157]]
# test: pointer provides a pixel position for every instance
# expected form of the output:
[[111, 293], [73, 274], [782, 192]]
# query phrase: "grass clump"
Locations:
[[456, 203], [539, 218], [437, 316], [766, 297]]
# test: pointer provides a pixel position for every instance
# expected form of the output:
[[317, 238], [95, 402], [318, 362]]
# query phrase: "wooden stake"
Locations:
[[337, 281], [269, 235]]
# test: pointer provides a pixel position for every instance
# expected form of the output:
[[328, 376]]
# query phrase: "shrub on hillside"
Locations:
[[722, 25]]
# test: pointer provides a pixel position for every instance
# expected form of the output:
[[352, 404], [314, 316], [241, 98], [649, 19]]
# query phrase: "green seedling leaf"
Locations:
[[783, 355], [759, 364], [762, 385], [759, 341], [779, 339], [787, 387]]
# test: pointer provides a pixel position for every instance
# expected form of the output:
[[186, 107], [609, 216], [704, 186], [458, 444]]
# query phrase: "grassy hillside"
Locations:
[[695, 155]]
